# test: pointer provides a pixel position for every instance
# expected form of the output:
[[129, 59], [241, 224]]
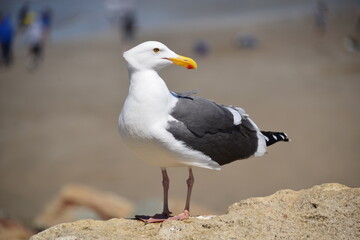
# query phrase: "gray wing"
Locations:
[[201, 115], [206, 126]]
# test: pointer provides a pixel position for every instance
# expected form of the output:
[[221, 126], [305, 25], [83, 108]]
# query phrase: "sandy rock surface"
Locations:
[[328, 211]]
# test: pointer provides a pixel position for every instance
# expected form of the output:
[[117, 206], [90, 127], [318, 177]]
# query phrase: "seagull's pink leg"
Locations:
[[186, 213], [165, 183], [166, 212]]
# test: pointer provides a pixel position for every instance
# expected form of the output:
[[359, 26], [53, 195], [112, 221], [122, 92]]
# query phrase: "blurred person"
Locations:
[[121, 14], [6, 40], [321, 14], [35, 39], [128, 26], [202, 47], [46, 20], [357, 25], [246, 40], [23, 16]]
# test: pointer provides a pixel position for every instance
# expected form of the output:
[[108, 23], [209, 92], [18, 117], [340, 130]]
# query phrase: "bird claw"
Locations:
[[161, 217], [157, 218], [182, 216]]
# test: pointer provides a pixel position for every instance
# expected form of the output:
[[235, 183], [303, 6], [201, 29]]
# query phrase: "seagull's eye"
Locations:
[[156, 50]]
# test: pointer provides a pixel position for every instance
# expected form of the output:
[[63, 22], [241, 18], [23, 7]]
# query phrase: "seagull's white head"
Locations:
[[155, 55]]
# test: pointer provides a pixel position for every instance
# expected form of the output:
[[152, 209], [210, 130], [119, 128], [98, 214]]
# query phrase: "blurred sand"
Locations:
[[58, 125]]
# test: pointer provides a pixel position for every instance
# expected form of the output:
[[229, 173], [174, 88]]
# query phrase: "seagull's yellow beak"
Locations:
[[184, 62]]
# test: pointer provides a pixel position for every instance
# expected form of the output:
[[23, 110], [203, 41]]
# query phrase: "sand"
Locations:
[[58, 124]]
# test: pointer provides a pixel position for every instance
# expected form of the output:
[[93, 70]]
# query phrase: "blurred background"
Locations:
[[294, 66]]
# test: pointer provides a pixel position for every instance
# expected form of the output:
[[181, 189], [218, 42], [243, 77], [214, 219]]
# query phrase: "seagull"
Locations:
[[169, 129]]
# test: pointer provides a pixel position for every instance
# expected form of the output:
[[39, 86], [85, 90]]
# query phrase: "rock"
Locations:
[[76, 202], [328, 211]]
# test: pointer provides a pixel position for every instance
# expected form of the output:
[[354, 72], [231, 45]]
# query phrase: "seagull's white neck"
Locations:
[[148, 88], [148, 103]]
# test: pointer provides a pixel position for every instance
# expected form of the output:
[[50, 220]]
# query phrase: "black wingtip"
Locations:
[[274, 137]]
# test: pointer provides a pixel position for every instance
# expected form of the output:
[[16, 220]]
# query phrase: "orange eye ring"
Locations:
[[156, 50]]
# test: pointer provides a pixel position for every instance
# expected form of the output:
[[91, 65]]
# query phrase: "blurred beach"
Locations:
[[58, 124]]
